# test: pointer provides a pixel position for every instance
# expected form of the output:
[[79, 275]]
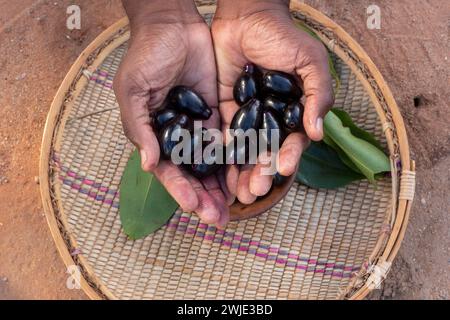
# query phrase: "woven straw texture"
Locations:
[[309, 246]]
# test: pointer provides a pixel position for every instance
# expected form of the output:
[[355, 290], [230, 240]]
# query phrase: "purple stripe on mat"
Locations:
[[101, 81], [255, 248], [83, 180], [90, 194], [210, 233], [102, 77]]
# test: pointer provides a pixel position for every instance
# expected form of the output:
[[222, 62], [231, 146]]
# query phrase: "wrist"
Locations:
[[235, 9], [144, 12]]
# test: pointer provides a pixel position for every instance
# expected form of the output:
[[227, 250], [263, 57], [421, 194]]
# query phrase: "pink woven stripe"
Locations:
[[66, 172], [102, 77]]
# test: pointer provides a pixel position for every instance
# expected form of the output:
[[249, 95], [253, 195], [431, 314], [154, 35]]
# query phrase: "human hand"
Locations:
[[170, 45], [262, 32]]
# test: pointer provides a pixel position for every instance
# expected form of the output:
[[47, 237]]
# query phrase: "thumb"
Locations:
[[136, 124], [318, 87]]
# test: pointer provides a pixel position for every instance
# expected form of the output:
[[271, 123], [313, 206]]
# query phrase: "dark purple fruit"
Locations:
[[203, 170], [243, 153], [187, 101], [165, 136], [249, 116], [293, 117], [274, 104], [206, 168], [253, 70], [163, 117], [278, 179], [271, 122], [248, 85], [245, 89], [281, 85], [197, 144]]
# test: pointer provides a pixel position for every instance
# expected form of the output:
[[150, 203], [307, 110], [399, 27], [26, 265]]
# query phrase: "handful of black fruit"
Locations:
[[269, 100], [181, 108]]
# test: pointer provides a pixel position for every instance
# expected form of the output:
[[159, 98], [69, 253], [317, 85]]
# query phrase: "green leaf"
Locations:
[[320, 167], [331, 66], [344, 158], [355, 130], [368, 158], [145, 205]]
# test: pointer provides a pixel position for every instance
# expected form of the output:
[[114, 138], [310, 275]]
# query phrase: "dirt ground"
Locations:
[[36, 50]]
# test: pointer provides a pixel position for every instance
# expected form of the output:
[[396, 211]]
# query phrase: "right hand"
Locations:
[[169, 46]]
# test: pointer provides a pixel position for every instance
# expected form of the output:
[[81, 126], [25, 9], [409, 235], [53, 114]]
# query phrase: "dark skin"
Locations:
[[171, 45]]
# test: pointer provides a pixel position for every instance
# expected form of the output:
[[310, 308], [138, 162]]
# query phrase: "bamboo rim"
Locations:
[[339, 42]]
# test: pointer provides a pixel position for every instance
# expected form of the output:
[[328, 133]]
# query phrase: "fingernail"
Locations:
[[143, 158], [319, 124]]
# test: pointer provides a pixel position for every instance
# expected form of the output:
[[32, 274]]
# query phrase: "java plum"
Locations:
[[165, 135], [163, 117], [249, 116], [278, 179], [241, 153], [293, 117], [206, 167], [248, 85], [281, 85], [189, 102], [275, 104], [270, 123]]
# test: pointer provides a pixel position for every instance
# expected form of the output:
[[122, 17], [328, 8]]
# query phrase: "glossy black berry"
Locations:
[[162, 117], [185, 100], [253, 70], [293, 117], [281, 85], [275, 104], [245, 89], [278, 179], [197, 144], [248, 85], [270, 123], [206, 167], [241, 152], [165, 135], [249, 116]]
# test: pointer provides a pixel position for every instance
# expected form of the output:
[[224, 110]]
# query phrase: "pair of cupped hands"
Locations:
[[172, 45]]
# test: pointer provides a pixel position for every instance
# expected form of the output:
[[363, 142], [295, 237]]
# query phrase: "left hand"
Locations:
[[262, 32]]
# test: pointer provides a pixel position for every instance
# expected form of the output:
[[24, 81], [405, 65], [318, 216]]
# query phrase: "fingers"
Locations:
[[289, 157], [178, 186], [214, 189], [136, 123], [232, 176], [208, 210], [290, 153], [243, 189], [221, 177], [318, 87], [260, 183]]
